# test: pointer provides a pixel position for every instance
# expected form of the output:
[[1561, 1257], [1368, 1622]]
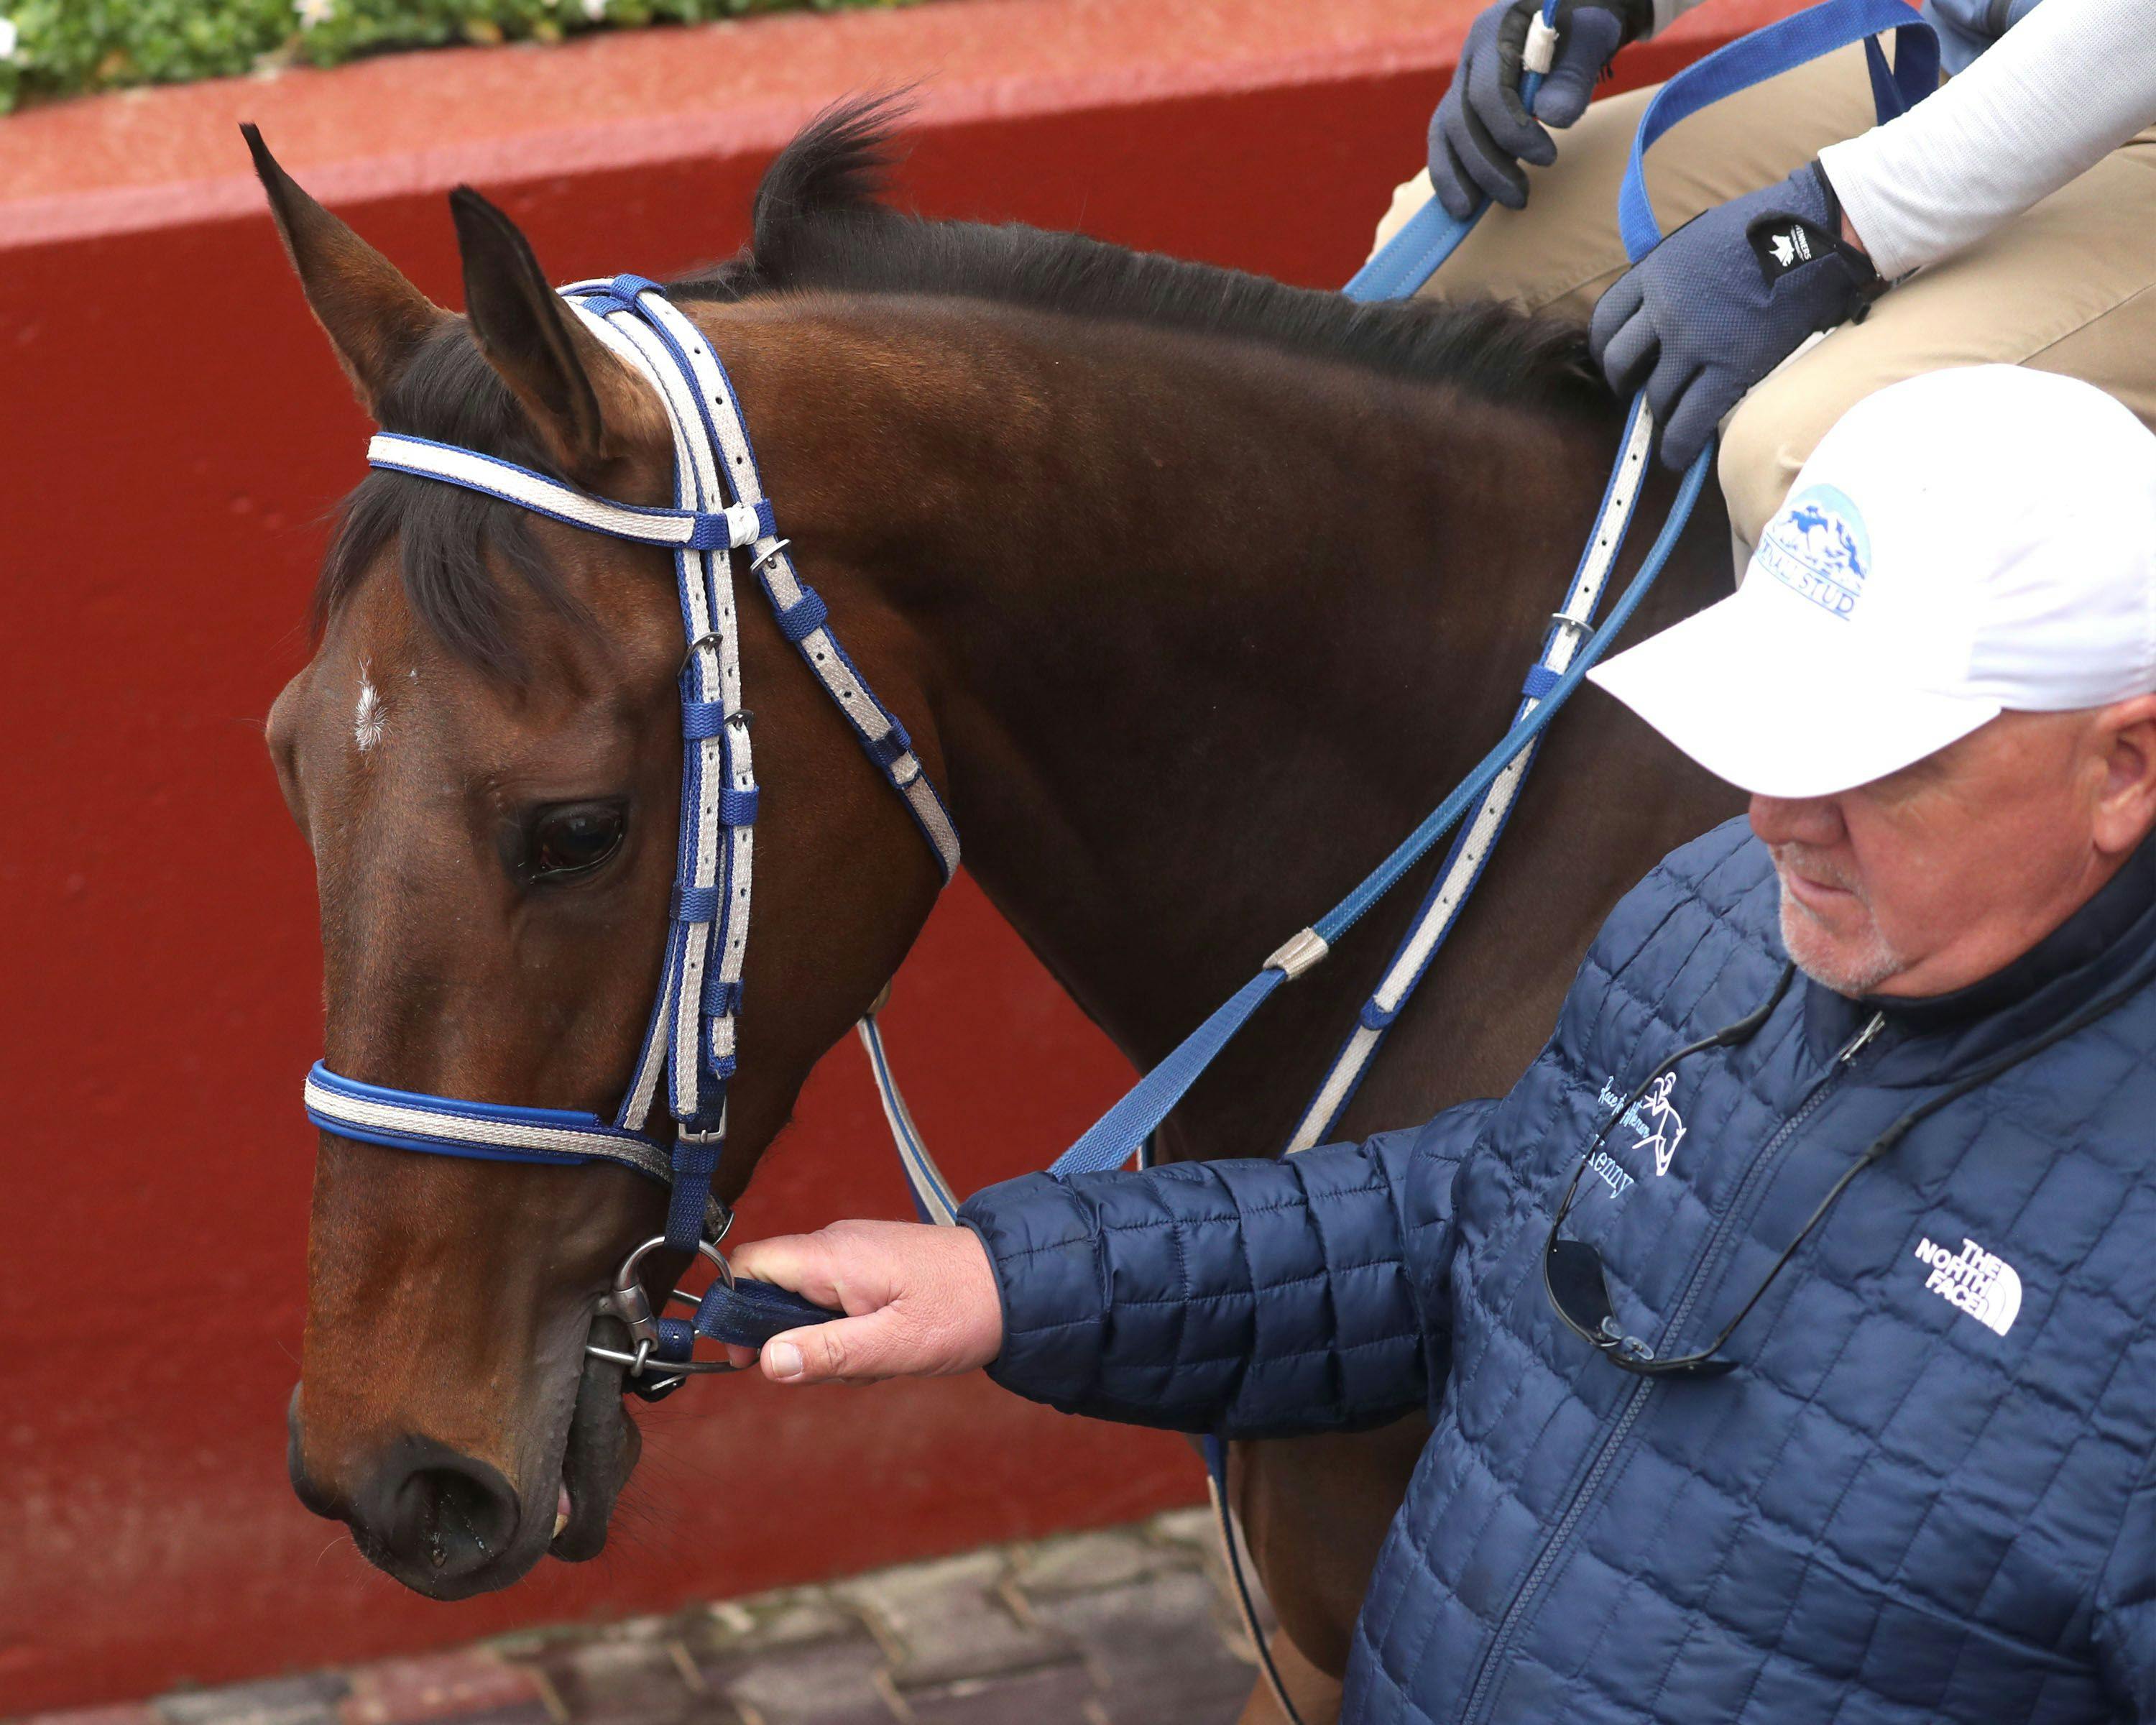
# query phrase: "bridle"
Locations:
[[720, 508]]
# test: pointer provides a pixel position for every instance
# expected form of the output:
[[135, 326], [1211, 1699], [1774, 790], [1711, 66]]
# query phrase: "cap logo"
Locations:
[[1816, 547]]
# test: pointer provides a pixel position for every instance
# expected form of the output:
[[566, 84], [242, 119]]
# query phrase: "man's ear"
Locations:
[[2126, 805], [376, 319], [584, 401]]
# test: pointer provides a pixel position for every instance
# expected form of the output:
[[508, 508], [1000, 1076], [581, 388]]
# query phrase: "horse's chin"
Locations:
[[596, 1460]]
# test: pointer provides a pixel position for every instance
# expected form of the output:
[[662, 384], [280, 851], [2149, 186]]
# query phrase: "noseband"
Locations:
[[720, 508]]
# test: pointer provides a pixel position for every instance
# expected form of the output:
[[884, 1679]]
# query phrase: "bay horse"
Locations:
[[1194, 590]]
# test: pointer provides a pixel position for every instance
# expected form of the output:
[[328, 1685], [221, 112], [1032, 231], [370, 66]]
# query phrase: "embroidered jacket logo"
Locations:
[[1659, 1126], [1981, 1283]]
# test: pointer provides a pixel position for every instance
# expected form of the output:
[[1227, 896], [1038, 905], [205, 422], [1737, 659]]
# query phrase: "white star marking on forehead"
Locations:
[[367, 714]]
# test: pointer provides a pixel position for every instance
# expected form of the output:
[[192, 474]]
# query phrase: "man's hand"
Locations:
[[1726, 298], [1482, 131], [921, 1302]]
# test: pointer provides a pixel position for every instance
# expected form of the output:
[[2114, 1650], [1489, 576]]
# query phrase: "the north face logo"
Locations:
[[1981, 1283]]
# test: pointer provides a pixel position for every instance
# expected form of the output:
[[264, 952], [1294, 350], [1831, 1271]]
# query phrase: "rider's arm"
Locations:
[[1254, 1298], [2066, 85]]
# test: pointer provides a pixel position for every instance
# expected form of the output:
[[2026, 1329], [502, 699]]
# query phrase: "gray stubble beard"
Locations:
[[1854, 974]]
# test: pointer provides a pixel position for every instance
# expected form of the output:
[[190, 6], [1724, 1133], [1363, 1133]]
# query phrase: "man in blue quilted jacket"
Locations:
[[1789, 1331]]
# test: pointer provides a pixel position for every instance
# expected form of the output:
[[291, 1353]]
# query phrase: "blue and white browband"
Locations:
[[728, 529]]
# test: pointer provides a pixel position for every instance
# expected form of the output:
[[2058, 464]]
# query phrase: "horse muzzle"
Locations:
[[451, 1525]]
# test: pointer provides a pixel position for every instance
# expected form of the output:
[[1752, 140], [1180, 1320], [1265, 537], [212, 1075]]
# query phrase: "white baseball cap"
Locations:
[[1960, 544]]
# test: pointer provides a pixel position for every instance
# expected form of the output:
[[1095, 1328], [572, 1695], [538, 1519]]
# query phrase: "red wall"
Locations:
[[171, 429]]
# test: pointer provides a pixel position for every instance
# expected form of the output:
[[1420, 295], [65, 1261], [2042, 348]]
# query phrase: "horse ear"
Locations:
[[584, 400], [375, 318]]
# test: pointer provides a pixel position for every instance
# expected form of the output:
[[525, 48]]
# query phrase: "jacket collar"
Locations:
[[1935, 1037]]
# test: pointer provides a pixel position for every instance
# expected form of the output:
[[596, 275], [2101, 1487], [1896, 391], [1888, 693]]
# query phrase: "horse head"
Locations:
[[483, 756]]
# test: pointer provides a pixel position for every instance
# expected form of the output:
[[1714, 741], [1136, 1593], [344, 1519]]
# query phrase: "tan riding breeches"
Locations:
[[2069, 286]]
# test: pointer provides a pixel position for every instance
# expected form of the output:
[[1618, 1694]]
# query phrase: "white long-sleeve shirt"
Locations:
[[2068, 84]]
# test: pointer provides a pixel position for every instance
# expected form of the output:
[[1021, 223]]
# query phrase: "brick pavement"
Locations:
[[1131, 1625]]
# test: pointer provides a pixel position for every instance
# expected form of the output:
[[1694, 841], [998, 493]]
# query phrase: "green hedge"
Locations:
[[62, 47]]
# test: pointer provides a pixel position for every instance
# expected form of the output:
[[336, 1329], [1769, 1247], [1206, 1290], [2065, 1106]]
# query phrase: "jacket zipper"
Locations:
[[1488, 1677]]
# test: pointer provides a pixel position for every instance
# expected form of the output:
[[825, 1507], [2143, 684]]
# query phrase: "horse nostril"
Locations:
[[443, 1514], [458, 1522]]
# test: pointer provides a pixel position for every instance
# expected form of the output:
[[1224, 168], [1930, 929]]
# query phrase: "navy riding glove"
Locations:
[[1482, 132], [1726, 298]]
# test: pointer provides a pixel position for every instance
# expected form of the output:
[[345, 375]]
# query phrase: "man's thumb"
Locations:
[[1590, 38], [848, 1349]]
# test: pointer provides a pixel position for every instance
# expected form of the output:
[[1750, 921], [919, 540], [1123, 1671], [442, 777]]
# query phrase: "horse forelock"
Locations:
[[449, 542]]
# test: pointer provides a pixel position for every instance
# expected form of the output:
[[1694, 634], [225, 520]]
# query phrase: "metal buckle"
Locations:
[[627, 1301], [778, 547], [709, 638], [1579, 631]]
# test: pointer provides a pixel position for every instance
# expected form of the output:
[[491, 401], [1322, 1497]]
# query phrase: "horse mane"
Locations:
[[820, 222]]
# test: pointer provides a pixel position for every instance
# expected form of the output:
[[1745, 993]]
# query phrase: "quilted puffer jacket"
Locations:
[[1924, 1493]]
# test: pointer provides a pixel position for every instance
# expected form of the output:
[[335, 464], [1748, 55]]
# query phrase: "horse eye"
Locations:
[[573, 839]]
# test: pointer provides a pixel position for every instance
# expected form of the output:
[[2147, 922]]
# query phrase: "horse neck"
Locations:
[[1204, 626]]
